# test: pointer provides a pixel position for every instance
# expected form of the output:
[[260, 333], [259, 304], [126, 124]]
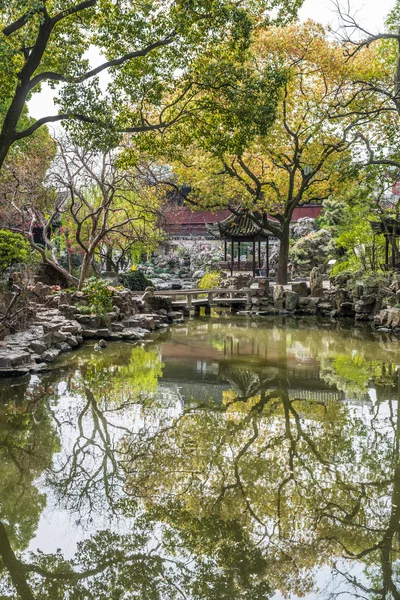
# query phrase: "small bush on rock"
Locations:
[[210, 280], [136, 281], [99, 296]]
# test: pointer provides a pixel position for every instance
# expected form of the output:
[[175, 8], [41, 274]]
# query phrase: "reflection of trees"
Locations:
[[28, 441], [88, 477], [308, 483], [217, 501]]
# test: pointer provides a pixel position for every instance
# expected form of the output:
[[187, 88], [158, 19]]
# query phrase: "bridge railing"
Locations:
[[210, 296]]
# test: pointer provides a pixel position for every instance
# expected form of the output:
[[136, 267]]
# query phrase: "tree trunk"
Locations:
[[283, 260], [109, 261], [14, 566], [86, 264]]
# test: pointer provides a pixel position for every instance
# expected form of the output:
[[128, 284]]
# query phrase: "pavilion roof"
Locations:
[[239, 225], [386, 225]]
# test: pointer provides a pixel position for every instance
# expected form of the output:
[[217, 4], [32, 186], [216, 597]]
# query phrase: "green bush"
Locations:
[[210, 280], [13, 249], [136, 281], [99, 296]]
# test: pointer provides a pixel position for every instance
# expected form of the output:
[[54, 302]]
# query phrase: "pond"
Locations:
[[221, 459]]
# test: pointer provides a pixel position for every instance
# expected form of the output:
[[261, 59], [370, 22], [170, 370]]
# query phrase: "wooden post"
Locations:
[[254, 257], [210, 297], [267, 255], [393, 251], [232, 250], [189, 301], [239, 256], [225, 250], [259, 255]]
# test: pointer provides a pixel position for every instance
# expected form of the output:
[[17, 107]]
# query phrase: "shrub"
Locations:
[[136, 281], [210, 280], [99, 295], [13, 249]]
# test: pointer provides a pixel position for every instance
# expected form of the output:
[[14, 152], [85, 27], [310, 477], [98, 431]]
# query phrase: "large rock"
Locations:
[[38, 346], [300, 288], [389, 318], [316, 283], [278, 296], [41, 290], [291, 301]]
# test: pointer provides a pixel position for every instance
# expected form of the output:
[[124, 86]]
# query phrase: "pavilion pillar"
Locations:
[[232, 257], [267, 255], [239, 256], [393, 251], [254, 256], [259, 255], [225, 250]]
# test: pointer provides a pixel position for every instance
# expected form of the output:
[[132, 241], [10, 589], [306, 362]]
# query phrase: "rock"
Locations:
[[95, 334], [89, 320], [175, 315], [72, 341], [291, 300], [63, 347], [148, 294], [316, 283], [103, 344], [346, 309], [50, 354], [311, 250], [300, 288], [134, 334], [38, 347], [278, 295], [5, 362], [148, 322], [341, 297], [263, 286], [71, 327], [19, 358], [389, 317], [41, 290], [58, 336], [131, 322], [325, 307]]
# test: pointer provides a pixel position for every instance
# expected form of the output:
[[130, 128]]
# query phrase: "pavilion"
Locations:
[[390, 228], [237, 229]]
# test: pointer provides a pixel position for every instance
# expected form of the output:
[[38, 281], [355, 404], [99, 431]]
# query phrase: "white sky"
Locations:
[[371, 13]]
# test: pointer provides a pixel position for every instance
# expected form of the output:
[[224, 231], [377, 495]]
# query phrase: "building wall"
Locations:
[[180, 221]]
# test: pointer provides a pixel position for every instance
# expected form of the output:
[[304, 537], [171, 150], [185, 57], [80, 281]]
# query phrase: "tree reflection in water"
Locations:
[[208, 500]]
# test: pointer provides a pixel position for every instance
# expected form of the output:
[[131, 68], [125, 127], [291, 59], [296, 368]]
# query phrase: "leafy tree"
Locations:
[[272, 166], [13, 249], [143, 49]]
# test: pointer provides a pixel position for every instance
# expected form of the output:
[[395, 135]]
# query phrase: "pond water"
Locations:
[[223, 459]]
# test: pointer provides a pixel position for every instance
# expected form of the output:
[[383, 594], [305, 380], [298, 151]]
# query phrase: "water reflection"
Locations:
[[222, 459]]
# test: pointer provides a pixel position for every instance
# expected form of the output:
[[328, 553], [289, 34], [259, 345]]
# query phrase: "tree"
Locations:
[[101, 201], [143, 47], [298, 158]]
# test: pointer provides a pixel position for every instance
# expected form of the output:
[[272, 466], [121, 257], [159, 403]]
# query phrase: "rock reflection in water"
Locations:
[[223, 459]]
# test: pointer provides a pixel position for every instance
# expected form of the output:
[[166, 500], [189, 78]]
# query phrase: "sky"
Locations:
[[371, 14]]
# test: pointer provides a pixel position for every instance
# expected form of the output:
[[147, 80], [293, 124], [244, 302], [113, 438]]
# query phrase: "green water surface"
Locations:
[[223, 459]]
